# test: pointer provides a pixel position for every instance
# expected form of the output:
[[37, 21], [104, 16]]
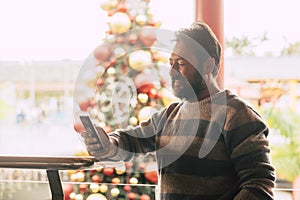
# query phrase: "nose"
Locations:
[[174, 69]]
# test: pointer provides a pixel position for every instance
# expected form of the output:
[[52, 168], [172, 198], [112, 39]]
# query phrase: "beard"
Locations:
[[188, 89]]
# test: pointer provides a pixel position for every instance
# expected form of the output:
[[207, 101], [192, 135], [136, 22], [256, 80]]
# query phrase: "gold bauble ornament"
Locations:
[[141, 20], [120, 169], [163, 56], [94, 187], [146, 112], [103, 188], [100, 168], [111, 71], [72, 195], [71, 172], [143, 98], [119, 23], [140, 59], [133, 180], [115, 192], [73, 177], [105, 5], [133, 121], [96, 197], [79, 197], [114, 3], [80, 176]]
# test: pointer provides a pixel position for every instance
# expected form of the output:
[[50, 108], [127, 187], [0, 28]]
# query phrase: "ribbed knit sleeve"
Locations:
[[246, 138], [139, 140]]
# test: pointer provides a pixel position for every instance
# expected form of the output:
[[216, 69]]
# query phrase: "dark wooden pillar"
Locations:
[[211, 12]]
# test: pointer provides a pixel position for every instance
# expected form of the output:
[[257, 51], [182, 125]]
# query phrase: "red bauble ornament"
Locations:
[[96, 178], [115, 180], [145, 197], [109, 32], [67, 188], [151, 176], [151, 173], [102, 53], [147, 36], [127, 188], [108, 171], [155, 57], [111, 13], [152, 23], [121, 7], [84, 105], [145, 88], [145, 82], [107, 129], [152, 93], [83, 188], [100, 82], [131, 196]]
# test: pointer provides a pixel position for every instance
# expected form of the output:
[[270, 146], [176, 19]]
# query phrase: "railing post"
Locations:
[[55, 185]]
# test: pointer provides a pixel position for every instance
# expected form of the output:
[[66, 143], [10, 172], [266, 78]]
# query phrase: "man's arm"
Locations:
[[123, 145], [249, 147]]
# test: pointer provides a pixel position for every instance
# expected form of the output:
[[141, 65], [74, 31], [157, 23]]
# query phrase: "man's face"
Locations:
[[187, 81]]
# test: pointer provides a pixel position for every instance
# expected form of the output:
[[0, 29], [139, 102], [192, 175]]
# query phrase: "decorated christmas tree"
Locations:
[[121, 84]]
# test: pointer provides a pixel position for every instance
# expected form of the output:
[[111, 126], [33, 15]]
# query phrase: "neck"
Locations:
[[211, 89]]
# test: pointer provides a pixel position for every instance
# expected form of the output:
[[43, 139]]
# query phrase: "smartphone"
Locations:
[[89, 126]]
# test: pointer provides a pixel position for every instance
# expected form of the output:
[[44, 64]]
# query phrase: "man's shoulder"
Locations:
[[241, 109], [236, 102]]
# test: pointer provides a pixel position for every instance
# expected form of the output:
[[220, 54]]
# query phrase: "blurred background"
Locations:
[[44, 44]]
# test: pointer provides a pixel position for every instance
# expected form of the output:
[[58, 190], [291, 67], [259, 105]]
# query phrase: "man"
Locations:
[[211, 145]]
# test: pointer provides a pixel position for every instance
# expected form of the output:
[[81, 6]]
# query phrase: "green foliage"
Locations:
[[286, 160], [244, 46], [291, 49], [285, 157], [285, 120]]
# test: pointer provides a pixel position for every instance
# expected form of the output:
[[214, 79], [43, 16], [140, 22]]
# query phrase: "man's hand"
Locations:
[[94, 147]]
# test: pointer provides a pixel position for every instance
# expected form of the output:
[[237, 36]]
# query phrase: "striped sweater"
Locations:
[[212, 149]]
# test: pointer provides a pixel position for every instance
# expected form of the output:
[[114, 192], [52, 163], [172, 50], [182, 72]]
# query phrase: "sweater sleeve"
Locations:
[[139, 140], [249, 151]]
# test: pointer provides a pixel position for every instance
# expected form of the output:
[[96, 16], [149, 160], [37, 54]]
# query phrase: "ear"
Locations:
[[208, 65]]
